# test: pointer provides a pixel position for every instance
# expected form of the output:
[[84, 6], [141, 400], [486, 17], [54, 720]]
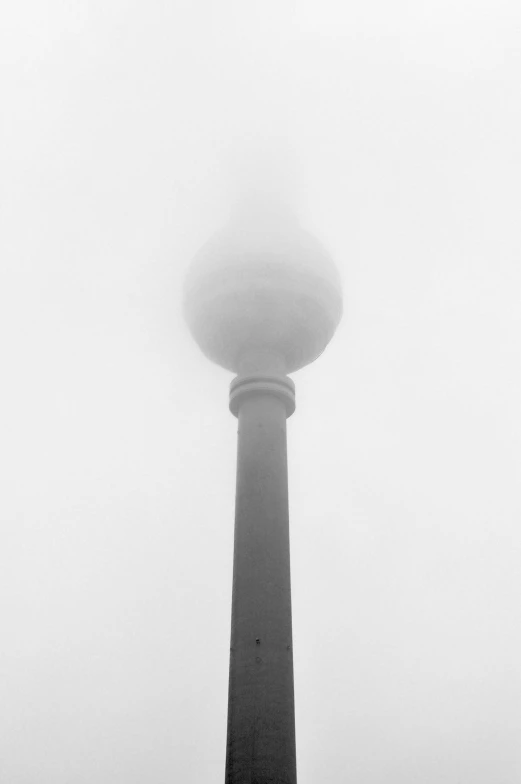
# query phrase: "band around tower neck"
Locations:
[[243, 387]]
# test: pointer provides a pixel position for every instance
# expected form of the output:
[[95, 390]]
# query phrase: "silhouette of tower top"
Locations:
[[263, 291]]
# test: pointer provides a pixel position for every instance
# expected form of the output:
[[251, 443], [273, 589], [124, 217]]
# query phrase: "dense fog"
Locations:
[[129, 129]]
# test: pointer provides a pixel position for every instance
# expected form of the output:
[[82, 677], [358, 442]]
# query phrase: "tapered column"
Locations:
[[261, 712]]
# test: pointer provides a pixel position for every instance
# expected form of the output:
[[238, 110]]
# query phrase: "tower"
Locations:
[[262, 299]]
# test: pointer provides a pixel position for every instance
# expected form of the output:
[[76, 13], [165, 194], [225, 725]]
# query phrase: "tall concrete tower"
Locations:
[[262, 299]]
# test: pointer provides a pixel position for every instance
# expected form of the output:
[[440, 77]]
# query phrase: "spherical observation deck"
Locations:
[[262, 294]]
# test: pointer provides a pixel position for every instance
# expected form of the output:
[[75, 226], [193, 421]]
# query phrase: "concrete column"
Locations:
[[261, 712]]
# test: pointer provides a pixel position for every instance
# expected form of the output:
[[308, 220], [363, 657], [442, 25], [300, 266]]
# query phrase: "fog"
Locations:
[[128, 130]]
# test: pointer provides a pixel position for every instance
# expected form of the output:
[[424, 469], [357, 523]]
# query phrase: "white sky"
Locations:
[[120, 120]]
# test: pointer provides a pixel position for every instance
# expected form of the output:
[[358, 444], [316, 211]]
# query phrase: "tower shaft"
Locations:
[[261, 712]]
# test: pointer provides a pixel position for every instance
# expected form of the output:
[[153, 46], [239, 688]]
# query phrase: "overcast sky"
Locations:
[[124, 124]]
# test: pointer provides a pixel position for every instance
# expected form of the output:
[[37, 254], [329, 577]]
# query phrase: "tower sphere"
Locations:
[[262, 294]]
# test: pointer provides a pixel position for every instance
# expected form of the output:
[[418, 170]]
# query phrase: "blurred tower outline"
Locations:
[[262, 299]]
